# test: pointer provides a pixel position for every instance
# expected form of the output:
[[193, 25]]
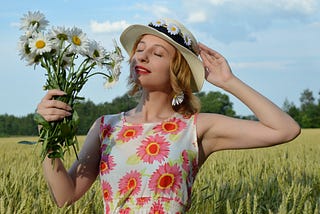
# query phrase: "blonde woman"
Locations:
[[148, 157]]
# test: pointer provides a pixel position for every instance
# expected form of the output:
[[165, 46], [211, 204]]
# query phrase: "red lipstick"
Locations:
[[141, 70]]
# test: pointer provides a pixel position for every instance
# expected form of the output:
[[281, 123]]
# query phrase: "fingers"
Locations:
[[54, 92], [53, 110], [209, 51]]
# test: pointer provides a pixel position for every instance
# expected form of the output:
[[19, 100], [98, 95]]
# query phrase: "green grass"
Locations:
[[281, 179]]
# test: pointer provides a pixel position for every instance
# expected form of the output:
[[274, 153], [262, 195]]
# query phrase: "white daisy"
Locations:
[[158, 23], [110, 82], [96, 52], [58, 36], [187, 40], [78, 40], [40, 44], [173, 29], [33, 19], [25, 51]]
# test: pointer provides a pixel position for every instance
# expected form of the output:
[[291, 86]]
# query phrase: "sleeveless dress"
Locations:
[[148, 167]]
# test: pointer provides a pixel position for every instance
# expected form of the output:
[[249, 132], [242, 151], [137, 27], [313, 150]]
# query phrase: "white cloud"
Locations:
[[265, 65], [157, 10], [197, 17], [107, 26], [234, 20]]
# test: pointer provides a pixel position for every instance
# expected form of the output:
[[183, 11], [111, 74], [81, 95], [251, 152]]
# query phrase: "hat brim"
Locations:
[[133, 32]]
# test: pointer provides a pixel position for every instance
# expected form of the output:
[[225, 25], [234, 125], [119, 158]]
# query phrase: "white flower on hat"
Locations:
[[158, 23], [187, 40], [173, 29]]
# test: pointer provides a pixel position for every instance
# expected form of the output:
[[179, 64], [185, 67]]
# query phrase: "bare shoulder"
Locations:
[[206, 121]]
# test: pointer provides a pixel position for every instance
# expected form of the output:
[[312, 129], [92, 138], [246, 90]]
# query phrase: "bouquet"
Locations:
[[69, 59]]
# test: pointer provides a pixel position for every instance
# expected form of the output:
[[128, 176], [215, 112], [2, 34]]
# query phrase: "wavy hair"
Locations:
[[180, 81]]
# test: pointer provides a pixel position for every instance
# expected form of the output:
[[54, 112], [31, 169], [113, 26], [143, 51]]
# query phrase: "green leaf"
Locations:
[[75, 117], [133, 159], [41, 121], [65, 130]]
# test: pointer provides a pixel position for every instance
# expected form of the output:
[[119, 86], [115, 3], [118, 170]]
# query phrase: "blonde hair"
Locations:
[[180, 81]]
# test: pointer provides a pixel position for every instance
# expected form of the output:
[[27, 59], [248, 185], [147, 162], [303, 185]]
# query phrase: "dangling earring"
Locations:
[[177, 99]]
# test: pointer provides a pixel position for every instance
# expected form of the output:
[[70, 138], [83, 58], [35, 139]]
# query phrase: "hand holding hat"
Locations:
[[217, 69]]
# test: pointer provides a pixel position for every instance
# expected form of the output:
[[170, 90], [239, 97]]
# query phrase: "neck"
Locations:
[[153, 106]]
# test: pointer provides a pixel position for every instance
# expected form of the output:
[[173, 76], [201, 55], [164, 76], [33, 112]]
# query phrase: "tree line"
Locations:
[[307, 114]]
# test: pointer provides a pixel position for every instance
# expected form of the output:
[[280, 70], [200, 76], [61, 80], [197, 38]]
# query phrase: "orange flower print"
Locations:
[[172, 126], [106, 164], [107, 191], [166, 179], [130, 182], [153, 148], [129, 132]]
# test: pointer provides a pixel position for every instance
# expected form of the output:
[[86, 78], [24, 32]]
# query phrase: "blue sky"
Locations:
[[273, 46]]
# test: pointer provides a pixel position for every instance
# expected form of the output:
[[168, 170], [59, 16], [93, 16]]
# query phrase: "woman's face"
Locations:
[[150, 64]]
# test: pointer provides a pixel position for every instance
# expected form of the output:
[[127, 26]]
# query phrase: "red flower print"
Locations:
[[157, 208], [106, 131], [153, 148], [129, 132], [107, 191], [106, 164], [166, 179], [130, 182], [143, 200], [172, 126]]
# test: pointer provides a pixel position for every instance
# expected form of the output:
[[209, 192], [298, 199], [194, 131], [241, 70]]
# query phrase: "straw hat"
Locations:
[[176, 34]]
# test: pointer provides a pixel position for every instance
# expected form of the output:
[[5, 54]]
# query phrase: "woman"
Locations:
[[148, 157]]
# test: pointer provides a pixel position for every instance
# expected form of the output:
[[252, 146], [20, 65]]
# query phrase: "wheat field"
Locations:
[[280, 179]]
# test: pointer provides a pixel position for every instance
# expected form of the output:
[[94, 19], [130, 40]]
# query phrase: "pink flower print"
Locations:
[[107, 191], [153, 148], [106, 164], [130, 182], [106, 131], [129, 132], [172, 126], [166, 179], [125, 210], [195, 167], [185, 161], [107, 210], [157, 208], [143, 200]]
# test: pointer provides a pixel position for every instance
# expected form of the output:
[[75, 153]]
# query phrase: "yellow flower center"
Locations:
[[76, 40], [40, 44]]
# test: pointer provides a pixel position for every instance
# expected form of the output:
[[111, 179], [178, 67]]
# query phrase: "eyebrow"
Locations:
[[158, 45]]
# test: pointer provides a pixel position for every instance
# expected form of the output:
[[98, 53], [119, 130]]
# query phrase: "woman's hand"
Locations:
[[217, 69], [53, 110]]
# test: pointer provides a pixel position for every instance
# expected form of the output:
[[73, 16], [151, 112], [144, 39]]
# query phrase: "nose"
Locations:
[[142, 56]]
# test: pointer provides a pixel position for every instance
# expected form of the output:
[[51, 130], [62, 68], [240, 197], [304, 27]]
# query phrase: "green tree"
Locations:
[[216, 102], [310, 114]]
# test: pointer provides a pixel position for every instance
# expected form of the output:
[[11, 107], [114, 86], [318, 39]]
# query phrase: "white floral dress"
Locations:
[[148, 167]]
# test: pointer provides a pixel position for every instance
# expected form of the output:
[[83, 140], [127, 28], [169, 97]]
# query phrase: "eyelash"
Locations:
[[157, 54]]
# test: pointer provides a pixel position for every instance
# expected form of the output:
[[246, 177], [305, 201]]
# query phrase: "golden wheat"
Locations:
[[280, 179]]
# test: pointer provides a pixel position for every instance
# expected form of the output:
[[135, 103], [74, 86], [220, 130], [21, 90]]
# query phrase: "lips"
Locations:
[[141, 70]]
